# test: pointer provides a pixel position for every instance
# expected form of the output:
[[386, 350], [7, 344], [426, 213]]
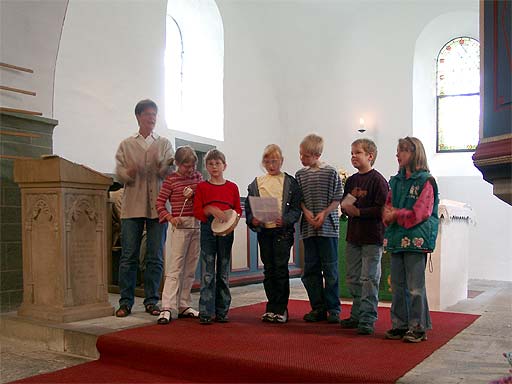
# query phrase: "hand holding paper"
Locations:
[[264, 209], [348, 200]]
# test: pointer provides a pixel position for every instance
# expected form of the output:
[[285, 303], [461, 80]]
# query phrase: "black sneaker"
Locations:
[[315, 315], [222, 319], [349, 323], [333, 318], [364, 329], [205, 320], [395, 334], [415, 336]]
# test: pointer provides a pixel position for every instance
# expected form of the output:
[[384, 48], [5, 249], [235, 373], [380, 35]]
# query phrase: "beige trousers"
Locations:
[[181, 257]]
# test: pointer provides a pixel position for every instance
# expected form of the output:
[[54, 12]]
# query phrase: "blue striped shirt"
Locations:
[[320, 187]]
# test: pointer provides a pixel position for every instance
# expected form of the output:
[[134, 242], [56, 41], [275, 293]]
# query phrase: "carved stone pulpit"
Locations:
[[64, 237]]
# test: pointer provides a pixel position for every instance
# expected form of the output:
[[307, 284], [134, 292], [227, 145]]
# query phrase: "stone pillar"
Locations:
[[64, 237]]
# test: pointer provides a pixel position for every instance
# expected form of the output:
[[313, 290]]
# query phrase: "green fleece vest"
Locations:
[[405, 193]]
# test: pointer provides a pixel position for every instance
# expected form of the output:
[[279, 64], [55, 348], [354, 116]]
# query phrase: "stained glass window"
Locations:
[[458, 95]]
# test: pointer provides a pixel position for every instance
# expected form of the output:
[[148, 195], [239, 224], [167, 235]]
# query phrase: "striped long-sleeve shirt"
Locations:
[[172, 191], [320, 187]]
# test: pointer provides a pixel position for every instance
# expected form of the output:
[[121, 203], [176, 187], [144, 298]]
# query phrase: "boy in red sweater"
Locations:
[[213, 200]]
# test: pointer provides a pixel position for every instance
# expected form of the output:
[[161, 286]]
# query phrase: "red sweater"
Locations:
[[225, 196]]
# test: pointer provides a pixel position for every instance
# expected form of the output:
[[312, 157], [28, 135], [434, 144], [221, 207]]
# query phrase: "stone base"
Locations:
[[66, 314]]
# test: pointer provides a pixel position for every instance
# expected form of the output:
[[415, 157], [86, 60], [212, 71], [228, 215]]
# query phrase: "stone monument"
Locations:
[[64, 237]]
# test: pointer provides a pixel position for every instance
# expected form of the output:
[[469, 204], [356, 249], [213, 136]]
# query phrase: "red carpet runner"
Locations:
[[247, 350]]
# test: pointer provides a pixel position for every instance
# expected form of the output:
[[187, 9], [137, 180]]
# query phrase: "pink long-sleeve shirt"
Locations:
[[420, 211]]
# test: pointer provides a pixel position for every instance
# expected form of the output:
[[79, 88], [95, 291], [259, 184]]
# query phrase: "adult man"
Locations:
[[142, 162]]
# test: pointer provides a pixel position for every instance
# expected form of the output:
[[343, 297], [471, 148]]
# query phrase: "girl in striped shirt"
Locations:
[[181, 261]]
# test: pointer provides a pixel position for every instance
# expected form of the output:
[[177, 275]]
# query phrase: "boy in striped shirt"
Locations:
[[319, 229]]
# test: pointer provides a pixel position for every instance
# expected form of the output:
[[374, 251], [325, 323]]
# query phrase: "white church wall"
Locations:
[[29, 37], [110, 57]]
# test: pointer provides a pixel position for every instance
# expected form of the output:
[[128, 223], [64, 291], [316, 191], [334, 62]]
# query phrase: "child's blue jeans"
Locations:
[[409, 307], [215, 297], [321, 265], [363, 279]]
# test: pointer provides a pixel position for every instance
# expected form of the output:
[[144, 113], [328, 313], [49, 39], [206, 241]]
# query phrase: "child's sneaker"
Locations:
[[222, 319], [415, 336], [395, 334], [268, 317], [278, 318], [349, 323], [205, 320], [364, 329], [333, 318], [315, 315]]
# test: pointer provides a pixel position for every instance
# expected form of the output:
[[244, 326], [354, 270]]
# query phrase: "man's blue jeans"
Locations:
[[363, 279], [321, 265], [131, 235], [409, 306], [215, 297]]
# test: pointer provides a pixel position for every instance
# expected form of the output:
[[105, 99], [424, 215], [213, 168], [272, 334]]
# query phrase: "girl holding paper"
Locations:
[[275, 238]]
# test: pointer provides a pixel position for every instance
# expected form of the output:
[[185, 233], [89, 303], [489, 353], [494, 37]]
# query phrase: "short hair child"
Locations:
[[368, 146], [275, 239], [365, 234], [321, 193], [212, 199]]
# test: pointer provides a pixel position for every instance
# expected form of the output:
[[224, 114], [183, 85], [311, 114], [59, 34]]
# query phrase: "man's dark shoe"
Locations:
[[315, 315], [395, 334], [124, 310], [349, 323], [415, 336]]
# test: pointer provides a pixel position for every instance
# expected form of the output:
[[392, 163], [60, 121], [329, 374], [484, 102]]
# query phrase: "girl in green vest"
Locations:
[[410, 215]]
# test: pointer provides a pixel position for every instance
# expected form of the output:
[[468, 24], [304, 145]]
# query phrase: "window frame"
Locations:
[[438, 97]]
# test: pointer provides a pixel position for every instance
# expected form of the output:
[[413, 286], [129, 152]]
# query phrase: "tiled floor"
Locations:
[[473, 356]]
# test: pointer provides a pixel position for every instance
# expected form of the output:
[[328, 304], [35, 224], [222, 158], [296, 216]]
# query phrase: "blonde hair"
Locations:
[[313, 144], [418, 156], [270, 150], [214, 154], [368, 146], [185, 154]]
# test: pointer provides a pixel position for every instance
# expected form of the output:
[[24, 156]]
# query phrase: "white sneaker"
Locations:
[[189, 313], [164, 317], [281, 318], [268, 317]]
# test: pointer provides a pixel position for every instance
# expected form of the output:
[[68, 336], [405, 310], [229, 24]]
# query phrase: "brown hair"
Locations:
[[368, 146], [143, 105], [418, 156], [185, 154], [313, 144], [214, 154]]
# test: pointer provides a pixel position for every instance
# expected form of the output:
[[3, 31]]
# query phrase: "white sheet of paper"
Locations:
[[265, 209], [348, 200]]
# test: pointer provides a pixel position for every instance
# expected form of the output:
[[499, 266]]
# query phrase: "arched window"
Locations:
[[194, 71], [458, 95]]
